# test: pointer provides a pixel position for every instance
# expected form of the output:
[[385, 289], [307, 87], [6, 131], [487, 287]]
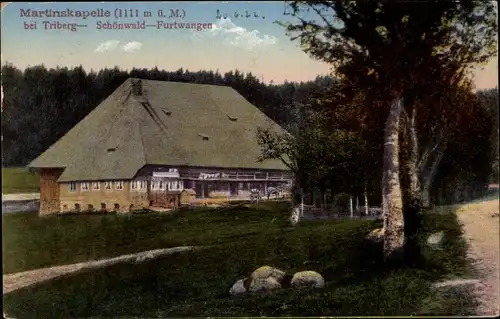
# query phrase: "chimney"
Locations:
[[137, 88]]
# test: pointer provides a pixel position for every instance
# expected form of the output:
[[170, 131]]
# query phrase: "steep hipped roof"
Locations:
[[170, 124]]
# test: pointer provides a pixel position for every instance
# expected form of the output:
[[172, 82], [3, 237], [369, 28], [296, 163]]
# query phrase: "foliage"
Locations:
[[379, 43], [320, 155], [197, 283], [471, 138], [377, 50], [489, 100], [421, 51]]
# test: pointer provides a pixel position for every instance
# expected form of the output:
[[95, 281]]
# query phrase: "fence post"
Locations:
[[350, 206], [367, 212], [323, 205], [302, 202]]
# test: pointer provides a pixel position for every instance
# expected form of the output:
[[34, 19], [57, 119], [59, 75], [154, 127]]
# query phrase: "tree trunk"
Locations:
[[392, 201], [427, 175], [426, 197], [410, 184], [412, 160]]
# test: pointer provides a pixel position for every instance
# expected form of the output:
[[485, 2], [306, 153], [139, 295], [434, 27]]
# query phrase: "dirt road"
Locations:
[[482, 230], [20, 197]]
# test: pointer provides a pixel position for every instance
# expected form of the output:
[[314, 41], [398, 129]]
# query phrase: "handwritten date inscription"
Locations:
[[245, 15], [324, 11]]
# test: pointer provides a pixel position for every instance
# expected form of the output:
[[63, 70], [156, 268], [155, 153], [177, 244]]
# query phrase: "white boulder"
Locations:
[[435, 240], [295, 216], [238, 288], [266, 272], [264, 285], [308, 278]]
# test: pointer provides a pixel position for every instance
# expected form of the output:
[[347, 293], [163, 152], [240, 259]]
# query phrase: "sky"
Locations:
[[235, 40]]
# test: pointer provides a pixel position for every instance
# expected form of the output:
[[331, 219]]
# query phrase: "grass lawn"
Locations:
[[30, 242], [197, 283], [19, 180]]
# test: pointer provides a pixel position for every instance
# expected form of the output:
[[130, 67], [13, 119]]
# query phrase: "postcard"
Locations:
[[249, 158]]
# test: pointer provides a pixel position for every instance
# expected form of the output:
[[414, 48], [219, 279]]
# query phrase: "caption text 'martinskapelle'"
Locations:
[[109, 19]]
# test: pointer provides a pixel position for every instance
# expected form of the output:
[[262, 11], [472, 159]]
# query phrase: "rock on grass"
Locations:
[[308, 278]]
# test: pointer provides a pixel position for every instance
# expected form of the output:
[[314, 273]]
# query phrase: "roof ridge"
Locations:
[[180, 83]]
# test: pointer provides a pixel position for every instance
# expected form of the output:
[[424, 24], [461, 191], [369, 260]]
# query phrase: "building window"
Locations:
[[77, 207], [138, 185], [176, 185], [85, 186], [119, 185], [72, 187], [117, 206], [96, 186], [107, 186], [90, 207], [159, 185], [103, 206]]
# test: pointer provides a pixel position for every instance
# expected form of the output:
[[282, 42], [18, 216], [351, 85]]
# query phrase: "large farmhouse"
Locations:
[[155, 143]]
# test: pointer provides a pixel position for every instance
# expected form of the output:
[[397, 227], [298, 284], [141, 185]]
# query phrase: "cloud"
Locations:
[[132, 46], [240, 37], [109, 45]]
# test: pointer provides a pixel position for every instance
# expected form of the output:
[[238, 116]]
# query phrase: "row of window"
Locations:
[[168, 185], [176, 185], [96, 186]]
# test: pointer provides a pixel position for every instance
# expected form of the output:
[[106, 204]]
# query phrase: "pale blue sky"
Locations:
[[254, 45]]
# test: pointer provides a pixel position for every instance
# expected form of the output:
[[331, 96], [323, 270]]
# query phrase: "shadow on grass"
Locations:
[[197, 283]]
